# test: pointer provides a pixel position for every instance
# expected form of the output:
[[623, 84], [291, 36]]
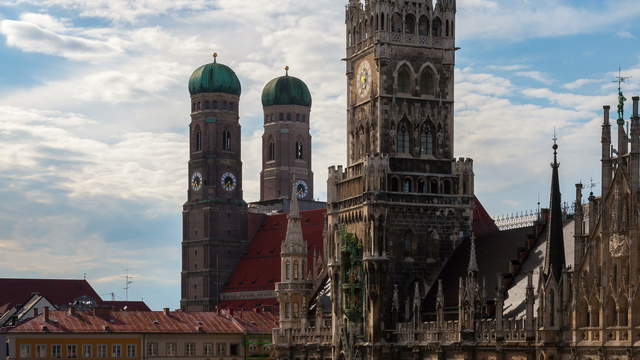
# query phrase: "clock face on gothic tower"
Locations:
[[363, 80], [196, 181], [228, 181]]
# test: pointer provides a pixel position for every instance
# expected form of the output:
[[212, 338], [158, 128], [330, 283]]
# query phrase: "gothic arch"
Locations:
[[428, 79], [436, 28], [410, 24], [427, 138], [396, 23], [226, 140], [423, 26], [271, 149], [404, 76], [198, 138], [407, 185], [403, 136]]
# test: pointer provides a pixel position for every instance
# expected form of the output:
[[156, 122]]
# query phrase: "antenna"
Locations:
[[128, 280], [112, 294], [620, 79]]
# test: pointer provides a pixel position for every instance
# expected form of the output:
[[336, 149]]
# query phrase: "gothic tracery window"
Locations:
[[198, 139], [403, 139], [427, 82], [407, 185], [396, 23], [410, 24], [437, 27], [426, 141], [423, 26]]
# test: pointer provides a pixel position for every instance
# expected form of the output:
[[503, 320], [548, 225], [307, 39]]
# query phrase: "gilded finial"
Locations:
[[215, 57], [555, 149], [286, 70]]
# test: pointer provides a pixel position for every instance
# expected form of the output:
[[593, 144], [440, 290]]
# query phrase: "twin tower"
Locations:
[[215, 216]]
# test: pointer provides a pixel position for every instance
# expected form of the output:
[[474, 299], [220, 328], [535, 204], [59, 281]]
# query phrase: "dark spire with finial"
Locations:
[[554, 262]]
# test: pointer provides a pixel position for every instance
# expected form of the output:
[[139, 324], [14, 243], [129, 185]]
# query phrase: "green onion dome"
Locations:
[[286, 90], [214, 78]]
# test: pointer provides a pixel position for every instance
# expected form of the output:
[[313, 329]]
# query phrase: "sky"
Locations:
[[94, 112]]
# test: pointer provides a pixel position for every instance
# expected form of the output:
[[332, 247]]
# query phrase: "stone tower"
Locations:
[[403, 203], [286, 143], [294, 289], [215, 215]]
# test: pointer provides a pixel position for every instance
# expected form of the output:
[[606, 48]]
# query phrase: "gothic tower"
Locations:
[[286, 143], [294, 289], [403, 197], [215, 215]]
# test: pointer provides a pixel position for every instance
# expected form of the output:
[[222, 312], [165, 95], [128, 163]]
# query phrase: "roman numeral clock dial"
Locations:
[[363, 80]]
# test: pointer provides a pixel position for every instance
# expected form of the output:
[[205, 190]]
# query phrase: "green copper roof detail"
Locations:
[[286, 90], [214, 78]]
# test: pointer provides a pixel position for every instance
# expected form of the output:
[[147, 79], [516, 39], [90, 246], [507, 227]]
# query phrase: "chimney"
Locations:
[[46, 313], [165, 311]]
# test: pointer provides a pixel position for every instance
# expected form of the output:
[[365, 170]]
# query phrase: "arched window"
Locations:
[[396, 23], [427, 82], [426, 141], [287, 271], [214, 104], [407, 243], [447, 187], [423, 26], [410, 24], [394, 184], [382, 22], [434, 186], [280, 116], [407, 185], [198, 139], [226, 140], [404, 79], [297, 117], [288, 116], [206, 105], [402, 145], [299, 153], [272, 151], [304, 118], [295, 270], [447, 28], [437, 27], [422, 186]]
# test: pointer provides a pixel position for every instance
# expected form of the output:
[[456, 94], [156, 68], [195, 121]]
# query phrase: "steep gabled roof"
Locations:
[[58, 291]]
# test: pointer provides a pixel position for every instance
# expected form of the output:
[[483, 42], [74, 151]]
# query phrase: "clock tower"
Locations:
[[215, 215], [403, 202]]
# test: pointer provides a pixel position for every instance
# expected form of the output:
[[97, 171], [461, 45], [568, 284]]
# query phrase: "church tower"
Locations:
[[403, 197], [215, 215], [286, 143]]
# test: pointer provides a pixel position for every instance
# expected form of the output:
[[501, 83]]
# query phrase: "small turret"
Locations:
[[635, 146], [578, 226], [606, 150], [554, 262]]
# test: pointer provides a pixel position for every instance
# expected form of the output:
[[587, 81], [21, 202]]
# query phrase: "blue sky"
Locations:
[[94, 111]]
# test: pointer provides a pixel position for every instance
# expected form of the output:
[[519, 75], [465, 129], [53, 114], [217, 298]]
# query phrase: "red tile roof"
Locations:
[[149, 322], [250, 304], [483, 224], [130, 305], [58, 292], [259, 269]]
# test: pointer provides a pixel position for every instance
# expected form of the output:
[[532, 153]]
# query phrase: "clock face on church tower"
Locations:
[[228, 181], [302, 189], [196, 181], [363, 80]]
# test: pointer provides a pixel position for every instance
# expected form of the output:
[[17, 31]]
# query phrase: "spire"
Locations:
[[554, 262], [294, 242], [473, 260]]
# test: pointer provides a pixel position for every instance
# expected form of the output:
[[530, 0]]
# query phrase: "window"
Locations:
[[116, 351], [396, 23], [41, 351], [447, 28], [72, 351], [198, 139], [434, 186], [422, 187], [208, 350], [206, 105], [304, 118], [394, 184], [410, 24], [297, 117], [287, 271], [86, 350], [288, 116], [234, 349], [295, 270], [280, 116], [102, 351], [214, 104], [56, 351], [171, 349], [152, 349], [447, 187], [426, 141], [190, 349], [437, 27], [295, 310], [404, 79], [226, 140], [25, 350], [287, 310], [272, 151], [423, 26], [222, 349], [299, 150], [427, 82], [131, 351], [407, 185], [402, 145]]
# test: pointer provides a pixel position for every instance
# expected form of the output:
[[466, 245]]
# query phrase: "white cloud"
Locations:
[[30, 37], [536, 75], [625, 35], [508, 67], [574, 85]]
